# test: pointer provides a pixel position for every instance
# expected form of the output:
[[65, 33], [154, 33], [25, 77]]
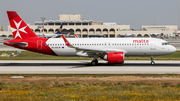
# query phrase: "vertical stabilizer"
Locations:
[[60, 30], [19, 28]]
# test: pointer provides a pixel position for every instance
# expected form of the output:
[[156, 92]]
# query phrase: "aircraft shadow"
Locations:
[[84, 64]]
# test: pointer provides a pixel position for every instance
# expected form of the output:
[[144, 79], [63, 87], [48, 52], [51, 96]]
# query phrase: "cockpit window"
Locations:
[[165, 43]]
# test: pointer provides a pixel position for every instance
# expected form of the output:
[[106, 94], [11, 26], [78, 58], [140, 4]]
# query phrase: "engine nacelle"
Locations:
[[114, 57]]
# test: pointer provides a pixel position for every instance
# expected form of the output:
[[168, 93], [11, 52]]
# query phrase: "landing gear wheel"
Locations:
[[152, 62], [94, 62]]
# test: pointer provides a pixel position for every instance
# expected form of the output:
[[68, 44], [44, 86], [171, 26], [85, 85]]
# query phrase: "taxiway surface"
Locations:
[[84, 67]]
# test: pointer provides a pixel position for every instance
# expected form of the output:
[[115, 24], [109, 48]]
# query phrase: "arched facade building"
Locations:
[[73, 23]]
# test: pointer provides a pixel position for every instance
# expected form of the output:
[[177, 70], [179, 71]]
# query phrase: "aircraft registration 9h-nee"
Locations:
[[112, 50]]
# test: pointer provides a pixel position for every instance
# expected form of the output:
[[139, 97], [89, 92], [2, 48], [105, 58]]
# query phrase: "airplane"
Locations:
[[60, 29], [57, 34], [112, 50], [46, 35], [51, 35], [96, 36]]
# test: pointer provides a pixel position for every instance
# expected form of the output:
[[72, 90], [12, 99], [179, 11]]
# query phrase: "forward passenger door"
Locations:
[[153, 45]]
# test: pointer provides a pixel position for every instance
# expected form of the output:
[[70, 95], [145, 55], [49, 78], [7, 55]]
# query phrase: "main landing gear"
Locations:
[[152, 61], [94, 62]]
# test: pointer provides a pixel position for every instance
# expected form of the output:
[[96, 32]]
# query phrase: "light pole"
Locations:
[[43, 19], [179, 15]]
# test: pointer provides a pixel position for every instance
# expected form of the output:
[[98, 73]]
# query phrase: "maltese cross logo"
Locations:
[[18, 29]]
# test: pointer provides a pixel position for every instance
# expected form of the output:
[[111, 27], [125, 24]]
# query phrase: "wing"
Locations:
[[81, 51]]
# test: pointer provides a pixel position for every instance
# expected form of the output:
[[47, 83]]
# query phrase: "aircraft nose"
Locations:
[[172, 49]]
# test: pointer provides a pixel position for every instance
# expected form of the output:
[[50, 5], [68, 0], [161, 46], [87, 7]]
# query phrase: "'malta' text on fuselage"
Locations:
[[141, 41]]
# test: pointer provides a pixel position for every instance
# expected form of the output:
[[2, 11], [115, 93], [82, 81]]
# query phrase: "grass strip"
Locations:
[[91, 87]]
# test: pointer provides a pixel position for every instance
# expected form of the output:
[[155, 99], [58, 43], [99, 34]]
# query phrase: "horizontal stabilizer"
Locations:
[[22, 44]]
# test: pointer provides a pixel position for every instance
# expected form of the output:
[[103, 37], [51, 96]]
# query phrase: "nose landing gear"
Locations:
[[152, 61]]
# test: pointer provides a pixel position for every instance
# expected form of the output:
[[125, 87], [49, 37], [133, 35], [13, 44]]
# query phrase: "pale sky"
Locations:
[[129, 12]]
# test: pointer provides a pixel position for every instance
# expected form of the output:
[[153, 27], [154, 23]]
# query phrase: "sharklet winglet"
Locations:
[[67, 42]]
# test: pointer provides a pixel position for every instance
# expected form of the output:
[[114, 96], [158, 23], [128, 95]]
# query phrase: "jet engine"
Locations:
[[114, 57]]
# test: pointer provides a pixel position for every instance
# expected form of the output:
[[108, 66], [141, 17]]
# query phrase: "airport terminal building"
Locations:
[[74, 23]]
